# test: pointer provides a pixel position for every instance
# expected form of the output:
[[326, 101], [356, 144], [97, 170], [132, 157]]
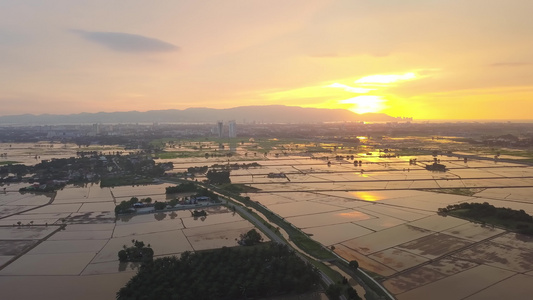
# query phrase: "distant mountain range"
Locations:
[[258, 114]]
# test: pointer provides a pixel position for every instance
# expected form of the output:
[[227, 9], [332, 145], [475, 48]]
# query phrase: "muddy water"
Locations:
[[329, 218], [301, 208], [464, 284], [386, 238], [516, 287], [63, 287], [398, 259], [333, 234], [387, 231], [33, 153]]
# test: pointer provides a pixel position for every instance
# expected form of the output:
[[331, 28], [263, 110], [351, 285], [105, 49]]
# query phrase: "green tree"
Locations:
[[218, 177], [352, 294], [123, 256], [250, 238], [354, 264], [333, 291], [159, 205]]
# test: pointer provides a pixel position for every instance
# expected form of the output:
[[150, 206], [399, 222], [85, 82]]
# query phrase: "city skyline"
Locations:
[[422, 59]]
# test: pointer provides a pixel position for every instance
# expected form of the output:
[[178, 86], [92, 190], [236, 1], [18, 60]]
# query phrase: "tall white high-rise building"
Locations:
[[220, 128], [232, 129]]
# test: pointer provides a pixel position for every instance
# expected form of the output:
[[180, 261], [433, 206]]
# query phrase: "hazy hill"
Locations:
[[260, 114]]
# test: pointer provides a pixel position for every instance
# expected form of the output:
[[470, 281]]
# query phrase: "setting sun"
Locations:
[[365, 104]]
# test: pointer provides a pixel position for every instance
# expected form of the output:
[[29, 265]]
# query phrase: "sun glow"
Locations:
[[372, 93], [367, 196], [365, 104], [358, 90]]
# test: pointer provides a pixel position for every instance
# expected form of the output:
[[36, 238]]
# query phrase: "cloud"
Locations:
[[510, 64], [126, 42], [386, 79], [352, 89]]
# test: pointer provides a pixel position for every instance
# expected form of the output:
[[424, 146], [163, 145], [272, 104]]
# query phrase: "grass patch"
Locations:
[[528, 154], [238, 188], [8, 162], [334, 275], [458, 191], [161, 142], [412, 152], [125, 180], [178, 154]]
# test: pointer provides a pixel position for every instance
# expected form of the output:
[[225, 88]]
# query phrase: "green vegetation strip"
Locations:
[[301, 240], [458, 191], [178, 154], [8, 162], [527, 154], [124, 180]]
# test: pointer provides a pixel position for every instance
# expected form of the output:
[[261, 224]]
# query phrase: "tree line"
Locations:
[[517, 220], [266, 270]]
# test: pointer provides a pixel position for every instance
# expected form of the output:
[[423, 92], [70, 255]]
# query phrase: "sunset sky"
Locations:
[[427, 59]]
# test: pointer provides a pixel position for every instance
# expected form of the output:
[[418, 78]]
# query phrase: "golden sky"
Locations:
[[427, 59]]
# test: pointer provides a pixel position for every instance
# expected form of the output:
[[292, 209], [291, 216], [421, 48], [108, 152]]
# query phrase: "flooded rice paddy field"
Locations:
[[385, 218], [81, 260], [382, 214], [34, 153]]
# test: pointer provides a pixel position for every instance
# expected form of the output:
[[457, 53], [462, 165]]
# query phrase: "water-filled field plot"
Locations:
[[301, 208], [510, 251], [454, 287], [522, 195], [515, 287], [386, 238], [334, 234], [329, 218], [139, 191]]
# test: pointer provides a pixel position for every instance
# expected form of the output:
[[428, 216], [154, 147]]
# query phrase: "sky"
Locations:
[[426, 59]]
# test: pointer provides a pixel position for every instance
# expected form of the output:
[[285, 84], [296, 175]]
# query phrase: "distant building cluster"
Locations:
[[232, 129]]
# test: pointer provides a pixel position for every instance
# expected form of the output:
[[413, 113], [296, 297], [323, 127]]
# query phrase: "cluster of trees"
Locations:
[[48, 188], [89, 153], [250, 238], [203, 192], [91, 167], [138, 252], [235, 166], [235, 188], [127, 206], [218, 177], [342, 157], [197, 170], [484, 212], [181, 188], [436, 167], [199, 213], [19, 170], [160, 205], [334, 291], [267, 270]]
